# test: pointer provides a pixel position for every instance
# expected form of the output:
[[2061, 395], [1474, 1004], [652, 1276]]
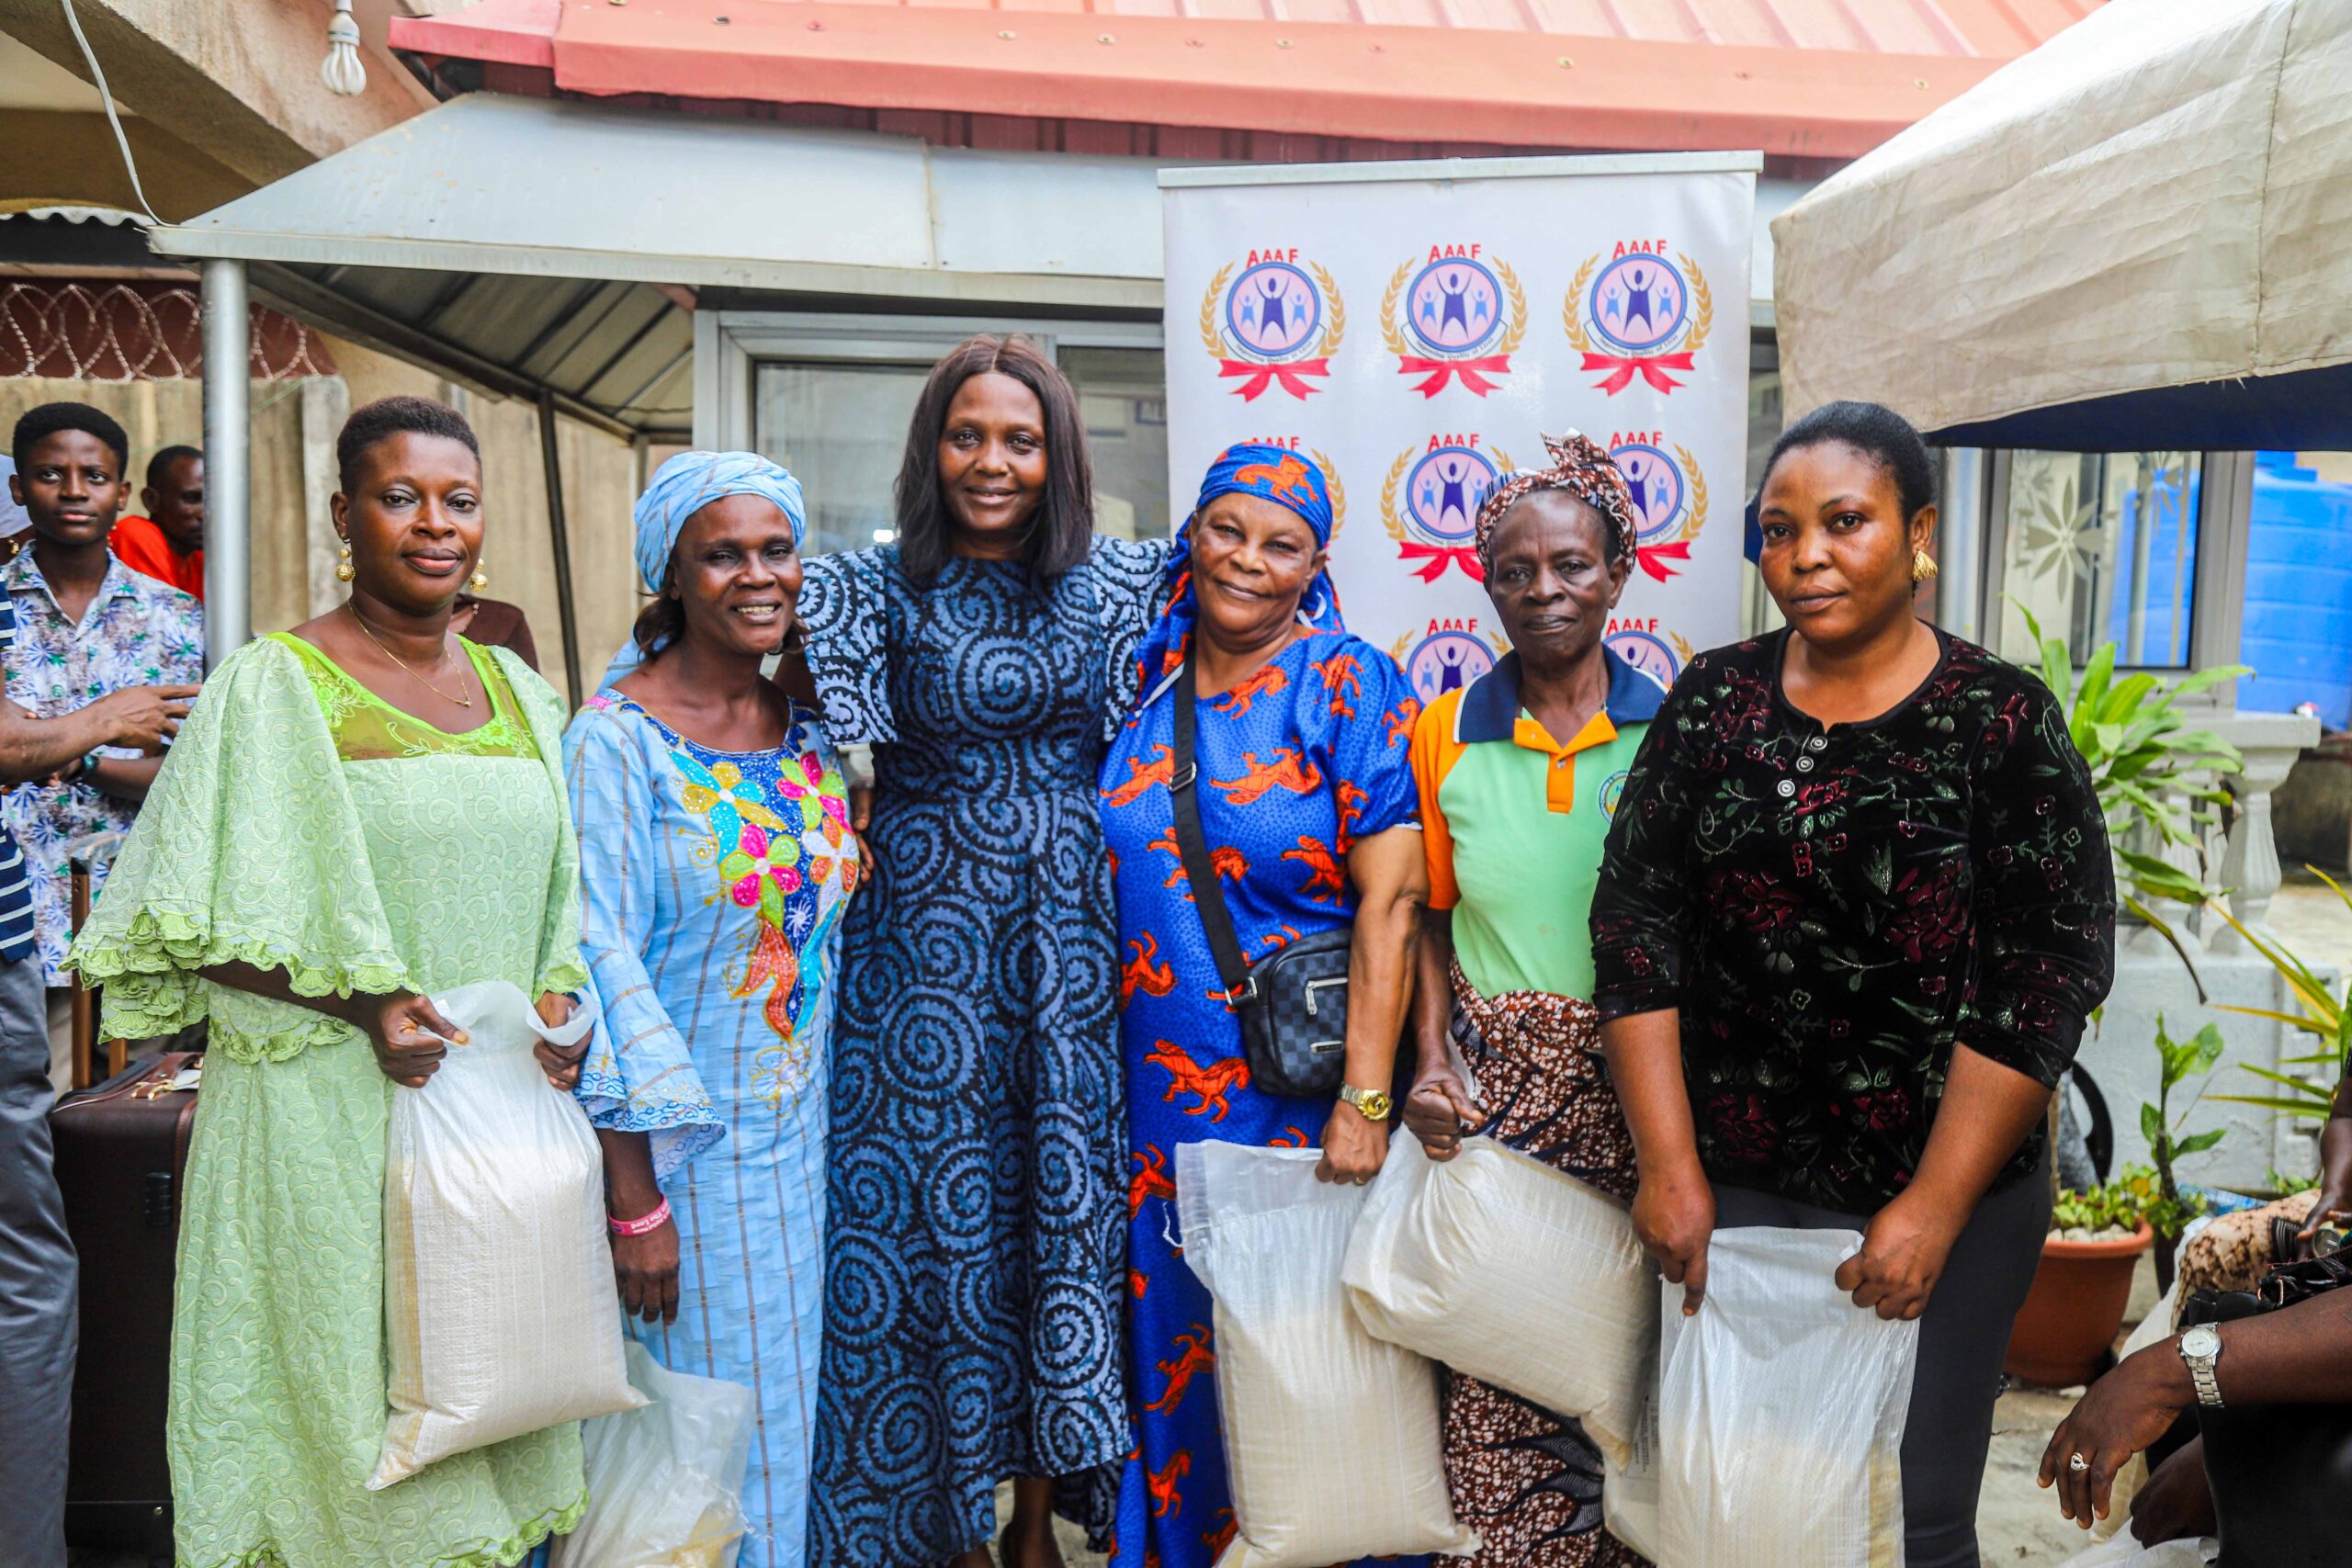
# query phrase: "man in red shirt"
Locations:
[[168, 543]]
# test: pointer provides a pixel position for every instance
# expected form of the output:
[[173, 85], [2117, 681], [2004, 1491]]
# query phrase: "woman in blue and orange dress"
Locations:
[[1306, 801]]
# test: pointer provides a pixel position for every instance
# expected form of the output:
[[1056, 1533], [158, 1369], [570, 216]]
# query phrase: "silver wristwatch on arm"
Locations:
[[2200, 1347]]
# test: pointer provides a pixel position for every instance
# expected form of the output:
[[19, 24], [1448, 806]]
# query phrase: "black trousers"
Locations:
[[1963, 1336]]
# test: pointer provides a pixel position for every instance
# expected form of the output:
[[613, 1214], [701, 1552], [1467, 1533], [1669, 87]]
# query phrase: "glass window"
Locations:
[[842, 429], [2103, 547], [1123, 397]]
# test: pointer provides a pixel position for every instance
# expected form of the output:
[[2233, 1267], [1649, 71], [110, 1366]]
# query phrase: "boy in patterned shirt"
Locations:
[[64, 464], [87, 627]]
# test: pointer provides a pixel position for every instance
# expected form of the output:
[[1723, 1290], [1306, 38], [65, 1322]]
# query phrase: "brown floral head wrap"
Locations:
[[1581, 467]]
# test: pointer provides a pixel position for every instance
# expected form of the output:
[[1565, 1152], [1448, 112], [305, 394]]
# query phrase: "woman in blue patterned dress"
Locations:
[[716, 861], [973, 1262], [1307, 804]]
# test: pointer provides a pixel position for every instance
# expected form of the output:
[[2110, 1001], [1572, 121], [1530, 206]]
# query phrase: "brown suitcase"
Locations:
[[122, 1154]]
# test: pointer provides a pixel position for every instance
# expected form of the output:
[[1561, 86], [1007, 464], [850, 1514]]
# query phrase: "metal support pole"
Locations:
[[561, 538], [227, 433]]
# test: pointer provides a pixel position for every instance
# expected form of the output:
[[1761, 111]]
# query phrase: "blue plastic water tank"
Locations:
[[2298, 628]]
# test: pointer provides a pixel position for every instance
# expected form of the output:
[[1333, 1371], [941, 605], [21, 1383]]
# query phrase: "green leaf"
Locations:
[[2128, 694], [2155, 922], [2340, 891], [2152, 1123], [2206, 1048], [2205, 679], [2302, 1108], [2298, 1085], [2307, 1024], [2096, 676], [2197, 1143]]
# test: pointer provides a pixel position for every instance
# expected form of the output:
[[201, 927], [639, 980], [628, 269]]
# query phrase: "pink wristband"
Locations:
[[645, 1224]]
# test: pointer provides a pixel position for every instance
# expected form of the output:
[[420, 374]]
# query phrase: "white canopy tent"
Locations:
[[2139, 235]]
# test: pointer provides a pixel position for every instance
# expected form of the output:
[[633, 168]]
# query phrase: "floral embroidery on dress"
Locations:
[[766, 863]]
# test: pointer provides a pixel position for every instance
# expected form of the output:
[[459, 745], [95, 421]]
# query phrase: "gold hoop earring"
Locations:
[[1923, 567], [479, 579], [343, 569]]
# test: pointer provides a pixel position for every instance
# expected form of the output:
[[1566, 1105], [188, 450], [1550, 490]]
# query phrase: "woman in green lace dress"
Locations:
[[357, 814]]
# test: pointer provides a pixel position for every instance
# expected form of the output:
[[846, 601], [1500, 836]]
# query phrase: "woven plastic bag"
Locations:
[[1780, 1412], [499, 1300], [1332, 1449], [1513, 1274], [1629, 1487], [2124, 1551], [665, 1484]]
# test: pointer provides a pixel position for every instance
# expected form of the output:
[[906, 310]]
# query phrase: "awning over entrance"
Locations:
[[523, 243], [2137, 237]]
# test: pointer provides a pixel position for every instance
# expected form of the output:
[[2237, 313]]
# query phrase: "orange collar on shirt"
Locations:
[[1633, 698], [1560, 778]]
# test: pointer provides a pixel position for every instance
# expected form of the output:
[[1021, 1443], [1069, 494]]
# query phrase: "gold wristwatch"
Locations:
[[1374, 1104]]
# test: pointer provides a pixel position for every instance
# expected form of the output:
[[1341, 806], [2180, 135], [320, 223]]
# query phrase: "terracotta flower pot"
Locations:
[[2076, 1304]]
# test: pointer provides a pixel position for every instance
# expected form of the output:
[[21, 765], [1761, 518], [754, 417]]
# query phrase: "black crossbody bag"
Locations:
[[1294, 1003]]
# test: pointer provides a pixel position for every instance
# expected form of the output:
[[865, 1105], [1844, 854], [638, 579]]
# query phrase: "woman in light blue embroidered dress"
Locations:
[[715, 862]]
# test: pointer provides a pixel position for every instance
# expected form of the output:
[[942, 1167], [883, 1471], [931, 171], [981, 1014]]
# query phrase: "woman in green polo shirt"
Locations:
[[1518, 773]]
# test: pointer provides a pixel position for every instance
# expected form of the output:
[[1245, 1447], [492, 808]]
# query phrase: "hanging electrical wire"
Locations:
[[105, 100]]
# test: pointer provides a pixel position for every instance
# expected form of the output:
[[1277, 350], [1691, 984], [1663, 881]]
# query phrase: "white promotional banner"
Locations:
[[1417, 328]]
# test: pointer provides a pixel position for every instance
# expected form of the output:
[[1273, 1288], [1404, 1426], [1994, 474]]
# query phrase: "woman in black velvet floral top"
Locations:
[[1856, 907]]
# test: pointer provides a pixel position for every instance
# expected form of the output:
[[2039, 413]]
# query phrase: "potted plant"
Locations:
[[2084, 1283], [2069, 1321]]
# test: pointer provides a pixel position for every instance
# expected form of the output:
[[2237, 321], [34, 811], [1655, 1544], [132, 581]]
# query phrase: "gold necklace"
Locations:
[[413, 673]]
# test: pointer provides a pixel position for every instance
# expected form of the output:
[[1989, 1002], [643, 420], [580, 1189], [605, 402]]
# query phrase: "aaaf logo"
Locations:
[[1270, 320], [1612, 790], [1455, 313], [1669, 497], [1635, 313], [1430, 504], [1445, 656], [1643, 642]]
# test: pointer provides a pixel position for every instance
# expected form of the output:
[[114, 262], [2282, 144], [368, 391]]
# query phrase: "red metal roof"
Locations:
[[1803, 78]]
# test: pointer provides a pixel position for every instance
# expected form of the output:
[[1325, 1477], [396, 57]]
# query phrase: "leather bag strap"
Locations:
[[1208, 893]]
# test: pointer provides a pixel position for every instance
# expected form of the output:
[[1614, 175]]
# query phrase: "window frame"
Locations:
[[729, 346], [2217, 591]]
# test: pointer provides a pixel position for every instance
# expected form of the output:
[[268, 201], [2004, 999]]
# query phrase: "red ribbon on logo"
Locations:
[[1474, 372], [1435, 559], [1650, 367], [1650, 556], [1261, 375]]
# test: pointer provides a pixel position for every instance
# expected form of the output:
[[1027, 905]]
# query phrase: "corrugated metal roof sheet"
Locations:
[[522, 32], [1805, 78]]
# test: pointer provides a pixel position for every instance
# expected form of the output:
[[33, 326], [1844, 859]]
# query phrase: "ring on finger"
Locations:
[[2077, 1463]]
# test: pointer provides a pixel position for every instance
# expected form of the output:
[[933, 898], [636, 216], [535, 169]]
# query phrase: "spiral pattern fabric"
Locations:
[[974, 1251]]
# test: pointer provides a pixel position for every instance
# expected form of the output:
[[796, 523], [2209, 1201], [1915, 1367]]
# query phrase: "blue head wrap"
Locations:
[[1271, 473], [692, 481]]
